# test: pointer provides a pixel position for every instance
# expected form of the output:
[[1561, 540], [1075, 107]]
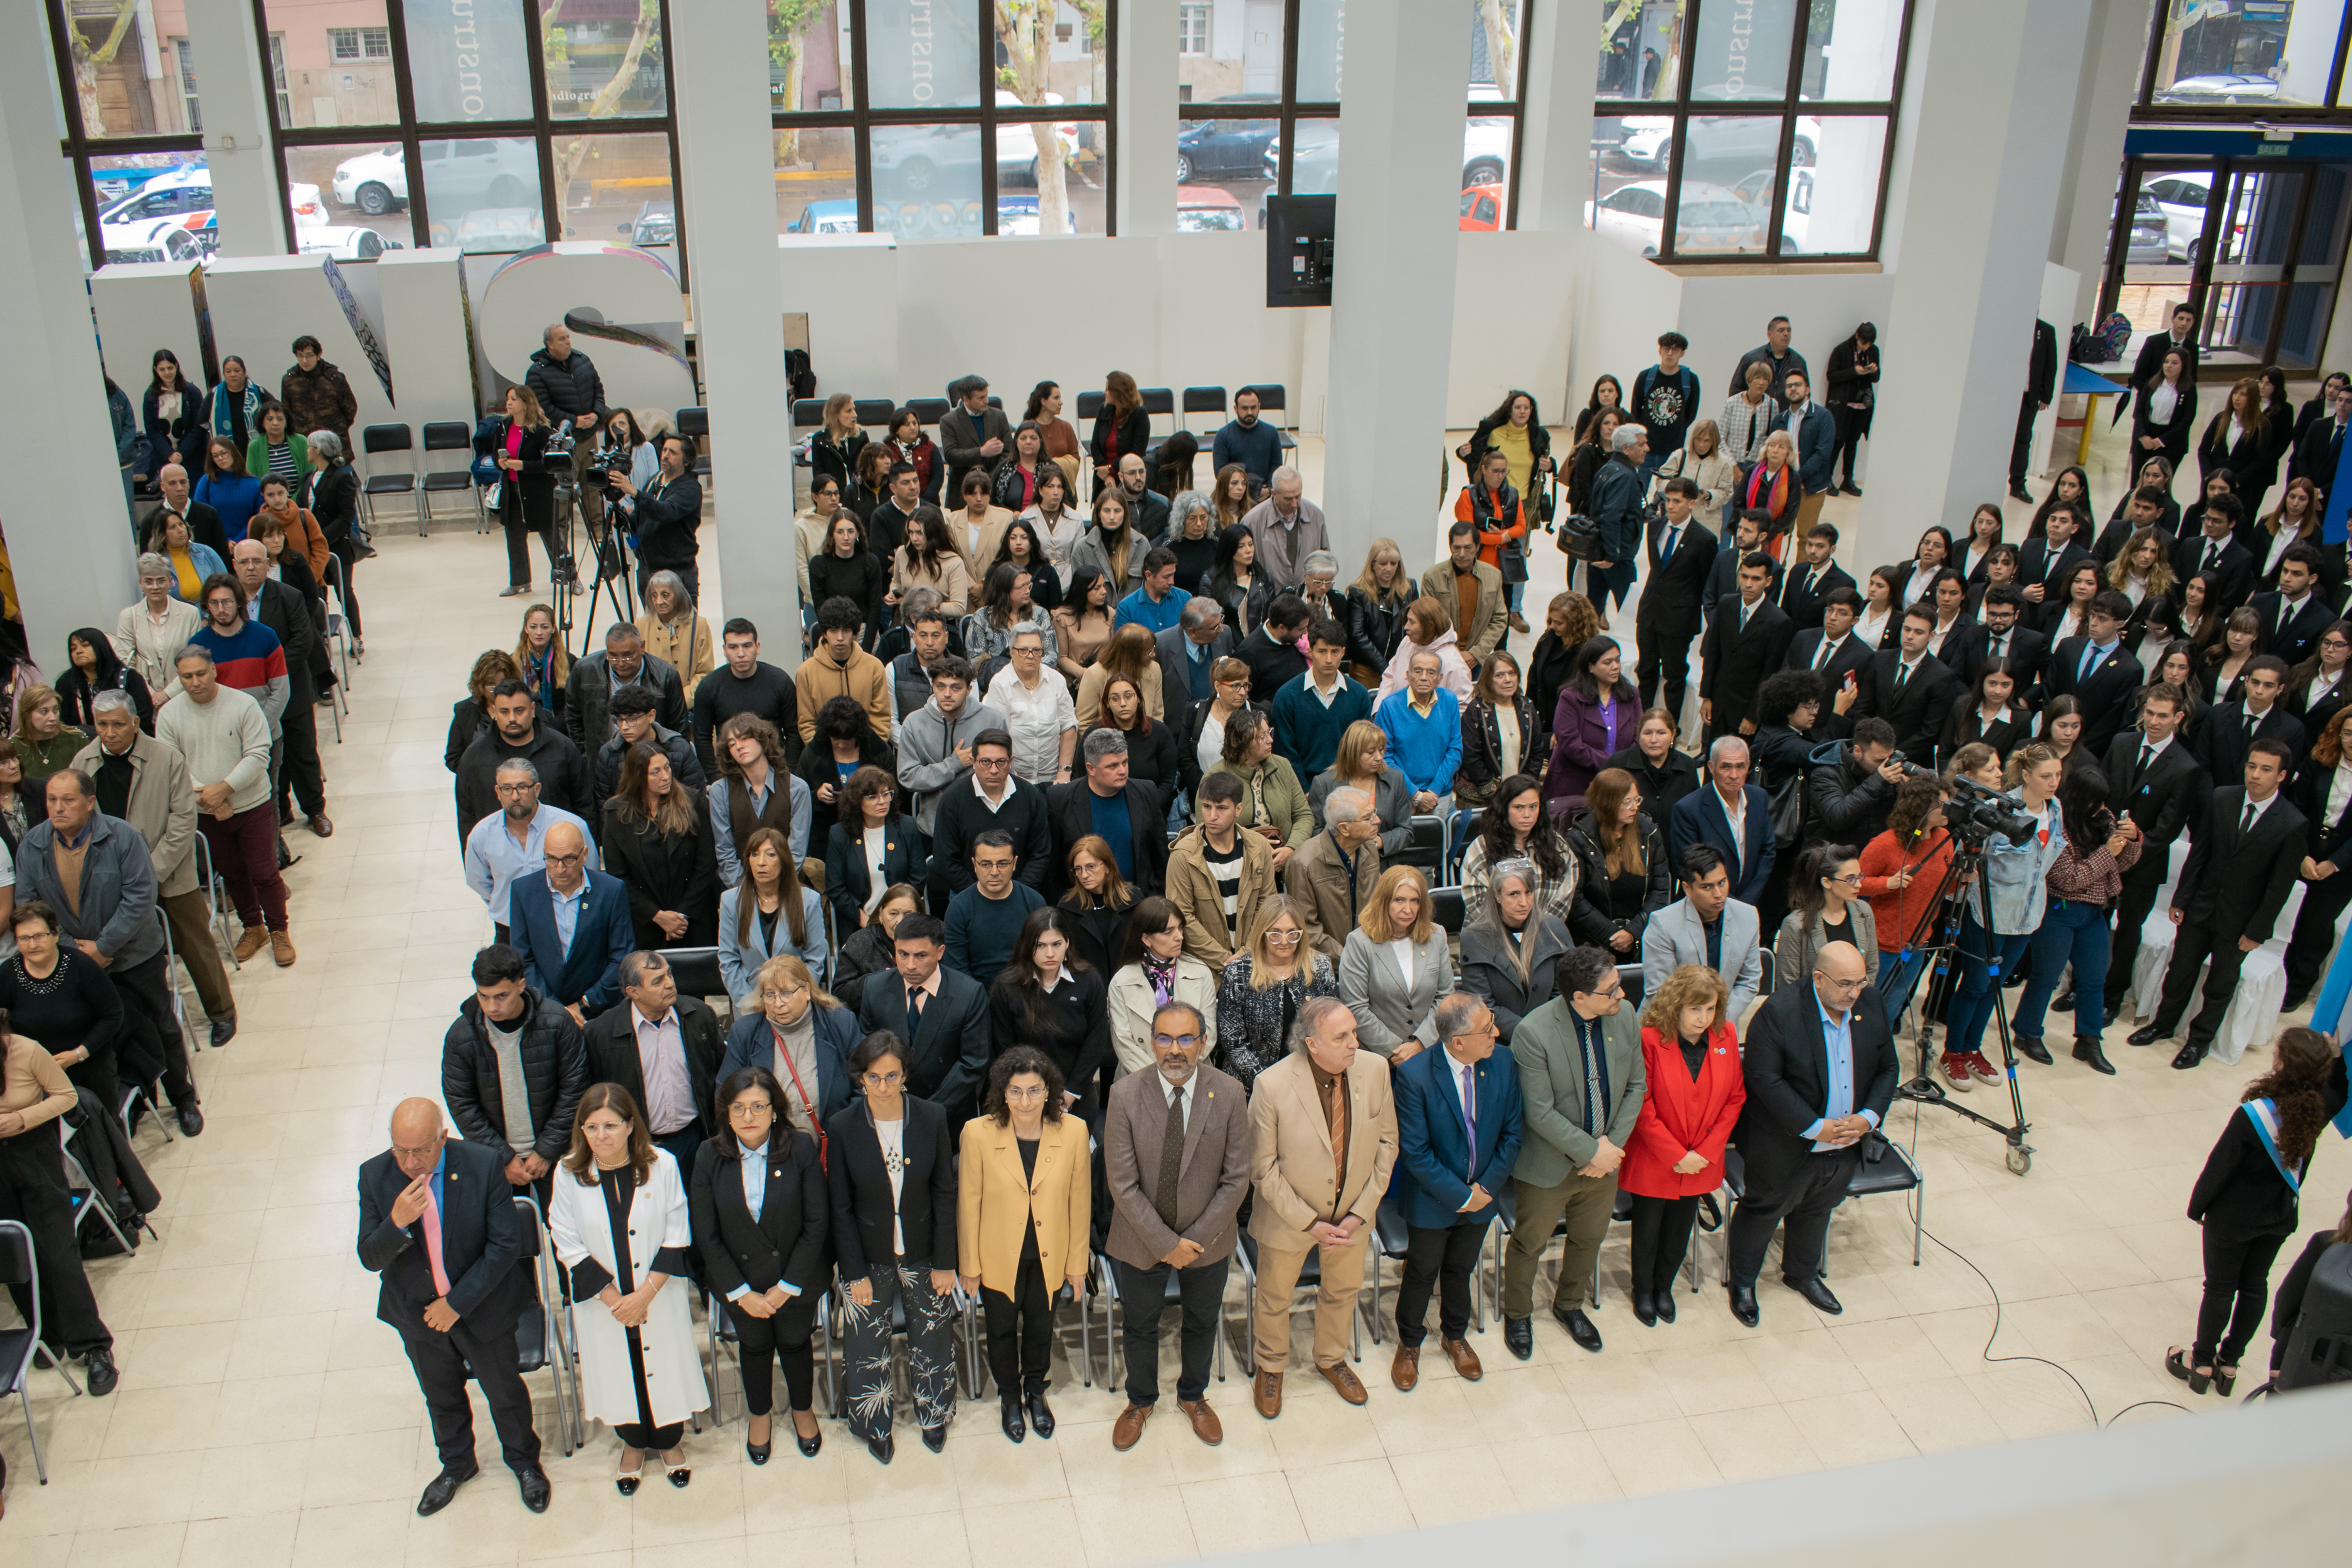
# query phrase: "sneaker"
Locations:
[[1956, 1072], [511, 591], [1980, 1068]]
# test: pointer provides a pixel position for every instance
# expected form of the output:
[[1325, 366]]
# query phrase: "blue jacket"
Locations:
[[1306, 734], [739, 962], [1435, 1165], [1698, 818], [1426, 751], [2017, 875], [1816, 438], [1616, 506], [590, 973], [751, 1043]]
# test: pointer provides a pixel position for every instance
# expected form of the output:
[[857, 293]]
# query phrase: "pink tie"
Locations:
[[432, 1244]]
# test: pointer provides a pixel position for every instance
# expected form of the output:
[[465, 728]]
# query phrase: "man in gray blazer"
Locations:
[[1176, 1151], [1580, 1061], [1188, 651], [1707, 926]]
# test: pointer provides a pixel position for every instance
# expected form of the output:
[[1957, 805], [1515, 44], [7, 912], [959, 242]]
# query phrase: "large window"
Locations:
[[934, 119], [2225, 57], [132, 131], [1746, 130]]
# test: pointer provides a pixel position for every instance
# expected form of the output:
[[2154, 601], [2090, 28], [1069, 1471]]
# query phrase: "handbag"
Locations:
[[1788, 801], [1580, 538]]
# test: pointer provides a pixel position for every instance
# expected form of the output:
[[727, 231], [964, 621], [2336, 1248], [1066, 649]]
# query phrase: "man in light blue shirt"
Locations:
[[513, 841], [1159, 604]]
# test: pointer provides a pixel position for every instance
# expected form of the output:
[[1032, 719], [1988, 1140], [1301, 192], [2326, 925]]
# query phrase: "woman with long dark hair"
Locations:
[[2237, 438], [1084, 620], [1598, 709], [1623, 876], [767, 914], [2226, 658], [1018, 472], [869, 481], [1825, 906], [847, 570], [91, 668], [908, 444], [2072, 487], [1229, 494], [1055, 523], [227, 488], [1044, 410], [1592, 446], [1990, 712], [1985, 528], [1171, 475], [1502, 734], [1114, 546], [1006, 606], [2315, 689], [871, 848], [1046, 996], [1570, 622], [1021, 545], [1914, 581], [657, 841], [1607, 396], [1516, 430], [1153, 754], [2062, 734], [2071, 616], [932, 559], [172, 412], [2296, 520], [1515, 827], [1237, 583], [526, 487], [2175, 667], [542, 662], [2083, 881]]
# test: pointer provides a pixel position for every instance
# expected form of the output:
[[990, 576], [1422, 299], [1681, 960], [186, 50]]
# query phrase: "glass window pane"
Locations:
[[617, 187], [1487, 162], [1315, 165], [603, 60], [1831, 200], [1726, 148], [1320, 26], [1226, 152], [1612, 173], [125, 73], [349, 200], [154, 206], [1721, 213], [331, 64], [1640, 53], [808, 56], [1069, 198], [467, 61], [923, 53], [1849, 50], [1495, 48], [1739, 53], [817, 182], [1228, 52], [484, 195], [2250, 52], [1049, 53], [926, 181]]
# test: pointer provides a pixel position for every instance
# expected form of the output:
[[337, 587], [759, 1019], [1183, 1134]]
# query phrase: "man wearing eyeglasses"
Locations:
[[513, 840], [1821, 1067], [1176, 1148], [571, 926]]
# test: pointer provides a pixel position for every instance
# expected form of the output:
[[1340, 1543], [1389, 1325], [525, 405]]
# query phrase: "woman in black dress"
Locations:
[[1041, 998], [657, 841], [526, 487], [55, 994]]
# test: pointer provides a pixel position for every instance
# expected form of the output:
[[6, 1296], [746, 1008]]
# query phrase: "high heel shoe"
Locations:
[[2225, 1382], [2177, 1364]]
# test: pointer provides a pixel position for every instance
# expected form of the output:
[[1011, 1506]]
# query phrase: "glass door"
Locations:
[[2251, 240]]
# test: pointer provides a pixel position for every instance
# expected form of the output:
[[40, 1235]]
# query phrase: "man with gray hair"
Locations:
[[512, 840], [569, 389], [1732, 815], [1188, 651], [1325, 1128], [1616, 505], [623, 661], [1287, 529], [1124, 813], [1330, 878]]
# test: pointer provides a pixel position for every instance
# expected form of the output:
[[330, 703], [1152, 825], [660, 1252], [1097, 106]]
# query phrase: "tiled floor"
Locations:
[[265, 1418]]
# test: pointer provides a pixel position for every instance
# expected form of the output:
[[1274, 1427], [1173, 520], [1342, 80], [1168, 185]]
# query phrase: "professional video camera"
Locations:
[[1975, 814]]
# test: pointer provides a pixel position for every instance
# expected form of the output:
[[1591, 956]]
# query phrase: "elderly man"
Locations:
[[1156, 605], [204, 523], [94, 871], [1325, 1130], [1287, 529], [568, 388], [1188, 652], [570, 925], [1038, 712], [665, 1049], [438, 1223], [1126, 813], [145, 782], [633, 709], [1472, 593], [1177, 1145], [518, 729], [1821, 1067], [1220, 878], [1313, 712], [1579, 1064], [150, 634], [224, 738], [1460, 1125], [623, 661], [512, 841], [1706, 926], [1330, 878], [513, 1067], [294, 768], [985, 919], [1617, 506], [1732, 815], [1423, 724]]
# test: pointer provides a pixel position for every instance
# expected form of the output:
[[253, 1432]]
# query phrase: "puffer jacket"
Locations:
[[555, 1068], [1595, 917], [567, 389]]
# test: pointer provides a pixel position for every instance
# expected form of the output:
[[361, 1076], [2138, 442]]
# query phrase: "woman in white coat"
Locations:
[[618, 1213], [1153, 970], [767, 915], [1395, 966]]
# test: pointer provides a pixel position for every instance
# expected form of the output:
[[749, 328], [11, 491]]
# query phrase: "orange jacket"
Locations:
[[1901, 911], [1492, 539]]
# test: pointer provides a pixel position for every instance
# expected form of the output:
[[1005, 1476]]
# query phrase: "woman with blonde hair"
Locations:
[[1748, 416], [470, 714], [834, 449], [1263, 987], [1690, 1058], [1701, 461], [2295, 520], [541, 661], [1130, 652], [675, 632], [769, 897], [1361, 761], [794, 1026], [2141, 572], [1377, 602], [1429, 628], [45, 743], [1395, 966], [1774, 487]]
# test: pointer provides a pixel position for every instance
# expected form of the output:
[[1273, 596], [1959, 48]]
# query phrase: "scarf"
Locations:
[[1161, 974], [1774, 494]]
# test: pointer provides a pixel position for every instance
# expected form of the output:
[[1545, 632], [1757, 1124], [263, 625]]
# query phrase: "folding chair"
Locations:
[[450, 435], [722, 1331], [539, 1339], [875, 412], [1309, 1279], [1886, 1167], [929, 410], [20, 1265], [1090, 407], [216, 896], [1112, 1301], [84, 1199], [694, 424], [375, 438], [1203, 400], [338, 631], [1271, 399], [1158, 401], [1460, 829], [696, 970], [1447, 906], [808, 415], [1426, 849]]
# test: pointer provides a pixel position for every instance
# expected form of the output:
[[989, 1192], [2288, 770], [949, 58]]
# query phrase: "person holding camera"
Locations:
[[2017, 880], [665, 515]]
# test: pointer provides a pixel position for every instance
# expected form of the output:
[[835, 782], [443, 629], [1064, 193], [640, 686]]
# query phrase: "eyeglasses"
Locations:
[[1034, 1091], [885, 1079], [567, 859], [1283, 938], [1161, 1042], [1485, 1032], [1852, 880], [1840, 986], [749, 1109]]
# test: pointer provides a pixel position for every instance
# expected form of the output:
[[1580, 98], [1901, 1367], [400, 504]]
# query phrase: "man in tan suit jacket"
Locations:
[[1173, 1212], [1330, 878], [1326, 1132], [1481, 632]]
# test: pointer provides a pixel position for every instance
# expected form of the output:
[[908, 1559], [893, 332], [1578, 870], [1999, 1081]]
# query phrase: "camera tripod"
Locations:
[[1967, 871], [607, 551]]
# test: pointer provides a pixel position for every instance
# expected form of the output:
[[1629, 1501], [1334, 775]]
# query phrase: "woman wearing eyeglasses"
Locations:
[[1153, 970], [801, 1032], [1262, 989]]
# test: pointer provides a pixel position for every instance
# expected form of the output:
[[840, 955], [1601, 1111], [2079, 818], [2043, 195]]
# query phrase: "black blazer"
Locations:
[[1959, 653], [2222, 742], [849, 881], [1069, 809], [527, 497], [1723, 581], [786, 1244], [2239, 1194], [2233, 572], [2244, 460], [2035, 565], [1735, 662], [2162, 801], [286, 611], [2174, 432], [1802, 597], [666, 871], [1919, 711], [612, 1040], [1786, 1064], [2328, 840], [862, 1208], [1677, 591], [1134, 436], [2106, 694], [481, 1242], [950, 1053], [2239, 883], [1851, 657], [2317, 448], [2299, 639]]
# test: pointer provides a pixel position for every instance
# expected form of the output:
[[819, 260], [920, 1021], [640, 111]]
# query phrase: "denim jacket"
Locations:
[[2016, 872]]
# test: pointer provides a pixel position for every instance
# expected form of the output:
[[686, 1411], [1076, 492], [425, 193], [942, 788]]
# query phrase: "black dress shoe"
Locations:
[[2146, 1035], [1645, 1310], [1580, 1328], [1663, 1302], [884, 1447], [442, 1488], [1041, 1416], [935, 1438], [2190, 1055], [1850, 489], [1014, 1429], [2019, 492], [628, 1485], [2031, 1047], [809, 1445], [191, 1119], [1743, 1304], [1813, 1290], [2086, 1050], [2295, 1002], [1519, 1337], [2062, 1003], [97, 1371], [532, 1483], [223, 1031]]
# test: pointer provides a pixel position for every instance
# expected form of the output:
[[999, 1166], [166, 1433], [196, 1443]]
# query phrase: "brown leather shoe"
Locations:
[[1205, 1424], [1128, 1430], [1405, 1370], [281, 948], [1464, 1359], [1265, 1392], [254, 940], [1341, 1377]]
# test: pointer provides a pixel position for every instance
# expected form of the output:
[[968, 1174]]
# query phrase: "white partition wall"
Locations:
[[624, 305], [142, 306], [260, 304], [422, 296]]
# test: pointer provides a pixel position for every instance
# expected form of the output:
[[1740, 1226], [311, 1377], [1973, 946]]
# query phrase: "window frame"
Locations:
[[81, 148], [2146, 108]]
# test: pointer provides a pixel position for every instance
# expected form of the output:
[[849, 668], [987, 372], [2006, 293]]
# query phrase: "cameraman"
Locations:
[[2016, 877], [1852, 795], [567, 386], [666, 515]]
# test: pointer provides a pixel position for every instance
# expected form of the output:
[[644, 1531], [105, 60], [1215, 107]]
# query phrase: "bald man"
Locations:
[[438, 1223], [571, 925]]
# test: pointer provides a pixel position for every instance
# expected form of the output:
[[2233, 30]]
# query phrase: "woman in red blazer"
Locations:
[[1691, 1054]]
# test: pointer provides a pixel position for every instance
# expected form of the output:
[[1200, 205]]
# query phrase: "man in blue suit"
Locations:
[[571, 927], [1813, 430], [1708, 816], [1459, 1126]]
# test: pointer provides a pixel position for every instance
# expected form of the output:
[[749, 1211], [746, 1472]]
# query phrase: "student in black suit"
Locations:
[[1953, 638], [1831, 650], [2320, 686], [1747, 639], [437, 1222], [947, 1043], [2242, 412], [2241, 866], [2231, 729], [2044, 565], [1747, 533], [1908, 689], [2000, 634], [2097, 673], [1988, 712], [2214, 549], [618, 1040], [2322, 792], [2143, 508], [2319, 445], [1680, 554], [2154, 778], [2164, 414], [1808, 586], [2156, 345], [2294, 617], [1820, 1069]]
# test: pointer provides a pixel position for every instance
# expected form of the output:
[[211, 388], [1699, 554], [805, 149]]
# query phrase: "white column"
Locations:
[[726, 154], [1992, 93], [230, 88], [2094, 157], [1556, 147], [1147, 117], [1401, 126], [70, 543]]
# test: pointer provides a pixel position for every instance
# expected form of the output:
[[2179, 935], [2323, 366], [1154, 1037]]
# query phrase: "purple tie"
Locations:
[[1470, 1114]]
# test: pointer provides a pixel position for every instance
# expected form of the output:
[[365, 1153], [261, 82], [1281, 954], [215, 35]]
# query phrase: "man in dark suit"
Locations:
[[1681, 557], [1746, 640], [1272, 651], [1173, 1211], [2317, 450], [2295, 613], [1102, 802], [2241, 866], [1723, 578], [947, 1041], [1731, 814], [622, 661], [294, 761], [1830, 651], [2153, 776], [679, 1035], [2146, 510], [1808, 586], [1820, 1069], [581, 972], [2097, 673], [2044, 565], [1812, 431], [887, 524], [2000, 634], [437, 1222], [2229, 734], [1908, 687], [2040, 387], [1188, 651], [2214, 548]]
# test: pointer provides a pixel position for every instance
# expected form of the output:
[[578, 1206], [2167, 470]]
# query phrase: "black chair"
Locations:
[[1426, 849], [1156, 400], [451, 436], [539, 1338], [696, 970], [1090, 405], [1446, 904], [1203, 400], [875, 410], [1309, 1278], [808, 413], [20, 1265], [1271, 399], [375, 438], [1886, 1167], [929, 410], [694, 424]]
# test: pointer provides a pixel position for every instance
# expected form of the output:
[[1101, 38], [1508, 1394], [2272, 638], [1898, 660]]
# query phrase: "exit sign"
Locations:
[[2273, 149]]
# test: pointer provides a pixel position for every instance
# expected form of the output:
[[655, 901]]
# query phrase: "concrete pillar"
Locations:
[[1967, 245], [726, 154], [1147, 117], [230, 87], [1556, 145], [70, 543], [2112, 56], [1392, 323]]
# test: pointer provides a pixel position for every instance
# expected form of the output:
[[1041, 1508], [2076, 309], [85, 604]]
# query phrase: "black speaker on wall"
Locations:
[[1298, 232], [2320, 1349]]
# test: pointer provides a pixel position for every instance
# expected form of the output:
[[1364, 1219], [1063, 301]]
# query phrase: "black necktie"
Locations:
[[2147, 755], [914, 1012], [1171, 1161], [2001, 644], [1901, 674], [2212, 552], [2246, 823]]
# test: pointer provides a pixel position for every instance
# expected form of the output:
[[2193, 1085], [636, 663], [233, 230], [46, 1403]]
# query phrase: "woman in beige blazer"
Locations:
[[1024, 1197], [1394, 966]]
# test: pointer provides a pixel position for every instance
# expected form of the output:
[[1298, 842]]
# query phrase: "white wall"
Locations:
[[144, 306]]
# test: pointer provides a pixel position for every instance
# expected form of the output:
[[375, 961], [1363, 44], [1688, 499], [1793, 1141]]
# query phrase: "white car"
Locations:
[[182, 237], [497, 173], [1016, 144], [1650, 141], [345, 244], [1712, 218], [1756, 190], [1485, 153], [2181, 197], [190, 190], [2223, 87]]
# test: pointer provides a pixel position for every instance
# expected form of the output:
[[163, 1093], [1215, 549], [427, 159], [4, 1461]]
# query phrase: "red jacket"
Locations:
[[1902, 911], [1680, 1115]]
